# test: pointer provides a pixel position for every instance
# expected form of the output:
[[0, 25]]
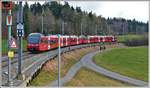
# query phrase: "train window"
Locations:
[[33, 39], [45, 41], [42, 41], [52, 41], [64, 40]]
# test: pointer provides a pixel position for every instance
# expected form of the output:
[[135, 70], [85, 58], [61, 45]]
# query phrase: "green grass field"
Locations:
[[49, 71], [132, 62], [122, 38], [4, 46], [44, 78], [86, 77]]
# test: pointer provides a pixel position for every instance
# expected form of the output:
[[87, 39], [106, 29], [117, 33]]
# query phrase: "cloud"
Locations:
[[126, 9]]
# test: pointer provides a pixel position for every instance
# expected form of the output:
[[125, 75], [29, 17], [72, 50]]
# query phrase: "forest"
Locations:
[[54, 18]]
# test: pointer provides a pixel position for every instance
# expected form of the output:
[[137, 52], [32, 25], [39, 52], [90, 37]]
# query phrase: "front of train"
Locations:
[[33, 42]]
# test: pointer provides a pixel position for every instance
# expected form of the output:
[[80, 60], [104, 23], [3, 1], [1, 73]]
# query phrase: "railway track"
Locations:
[[31, 63], [15, 59]]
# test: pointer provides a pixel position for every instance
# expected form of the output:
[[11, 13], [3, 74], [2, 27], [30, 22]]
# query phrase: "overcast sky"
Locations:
[[125, 9]]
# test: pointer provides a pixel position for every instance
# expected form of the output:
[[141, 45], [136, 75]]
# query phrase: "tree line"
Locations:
[[74, 21]]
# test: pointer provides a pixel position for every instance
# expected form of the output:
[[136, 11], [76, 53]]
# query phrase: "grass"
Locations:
[[86, 77], [49, 71], [132, 62], [122, 38], [4, 46], [44, 78]]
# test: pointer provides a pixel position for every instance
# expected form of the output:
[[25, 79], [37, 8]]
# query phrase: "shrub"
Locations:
[[137, 41]]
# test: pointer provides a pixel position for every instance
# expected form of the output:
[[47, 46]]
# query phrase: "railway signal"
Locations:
[[7, 5], [9, 20]]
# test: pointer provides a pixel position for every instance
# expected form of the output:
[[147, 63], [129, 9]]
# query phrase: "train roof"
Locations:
[[65, 36], [36, 34], [82, 36], [73, 36]]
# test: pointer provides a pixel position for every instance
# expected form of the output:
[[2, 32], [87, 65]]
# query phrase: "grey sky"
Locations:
[[125, 9]]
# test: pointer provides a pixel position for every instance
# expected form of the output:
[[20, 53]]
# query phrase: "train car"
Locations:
[[39, 42], [73, 40], [108, 38], [93, 39], [65, 40], [83, 39], [101, 38], [53, 41]]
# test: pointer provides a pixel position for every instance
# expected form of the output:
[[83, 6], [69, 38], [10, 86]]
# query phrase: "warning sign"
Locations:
[[13, 43], [9, 20]]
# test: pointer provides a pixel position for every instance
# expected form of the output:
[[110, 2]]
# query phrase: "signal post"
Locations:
[[20, 34], [7, 5]]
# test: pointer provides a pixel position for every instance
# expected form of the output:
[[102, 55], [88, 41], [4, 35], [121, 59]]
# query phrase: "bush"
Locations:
[[137, 41]]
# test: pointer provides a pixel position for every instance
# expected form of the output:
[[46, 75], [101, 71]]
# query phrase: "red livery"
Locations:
[[39, 42]]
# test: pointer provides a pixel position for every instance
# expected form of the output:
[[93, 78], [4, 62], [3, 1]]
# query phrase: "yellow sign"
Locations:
[[10, 54]]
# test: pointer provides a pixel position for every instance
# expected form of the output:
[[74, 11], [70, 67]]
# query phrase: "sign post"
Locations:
[[9, 61], [59, 59], [10, 56], [20, 34]]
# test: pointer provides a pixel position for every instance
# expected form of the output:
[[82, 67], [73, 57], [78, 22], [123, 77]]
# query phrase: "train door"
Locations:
[[43, 44], [53, 42], [49, 47]]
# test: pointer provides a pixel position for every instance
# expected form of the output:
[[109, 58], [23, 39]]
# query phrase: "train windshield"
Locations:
[[34, 39]]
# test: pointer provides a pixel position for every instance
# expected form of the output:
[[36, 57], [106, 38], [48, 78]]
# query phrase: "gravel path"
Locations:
[[87, 62]]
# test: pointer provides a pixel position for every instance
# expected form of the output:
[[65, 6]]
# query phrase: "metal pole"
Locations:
[[20, 20], [59, 57], [9, 61], [96, 29], [59, 60], [0, 41], [124, 32], [42, 23], [63, 27], [42, 20], [81, 28], [20, 56]]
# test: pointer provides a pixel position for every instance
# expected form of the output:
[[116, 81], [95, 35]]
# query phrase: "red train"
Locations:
[[39, 42]]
